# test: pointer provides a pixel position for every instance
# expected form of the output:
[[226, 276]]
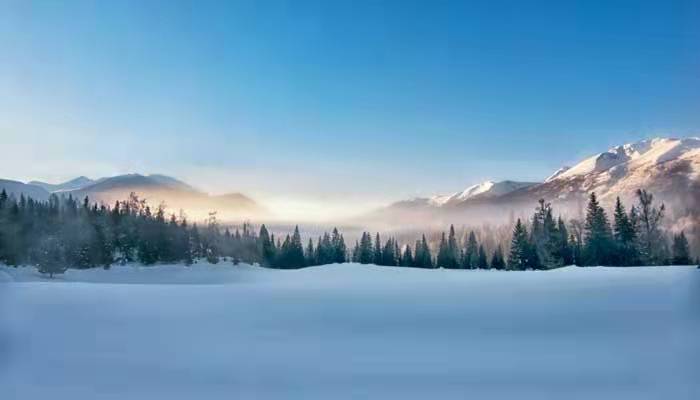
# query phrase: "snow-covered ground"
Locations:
[[350, 332]]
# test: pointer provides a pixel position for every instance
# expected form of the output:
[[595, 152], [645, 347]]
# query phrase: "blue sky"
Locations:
[[339, 101]]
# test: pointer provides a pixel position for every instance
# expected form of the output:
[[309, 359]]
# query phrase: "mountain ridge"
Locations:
[[667, 167], [156, 189]]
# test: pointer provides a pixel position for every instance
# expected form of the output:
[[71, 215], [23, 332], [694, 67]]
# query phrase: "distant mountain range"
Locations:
[[667, 167], [156, 189]]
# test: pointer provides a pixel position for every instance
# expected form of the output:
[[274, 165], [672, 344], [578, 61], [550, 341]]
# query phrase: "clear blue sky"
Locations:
[[363, 99]]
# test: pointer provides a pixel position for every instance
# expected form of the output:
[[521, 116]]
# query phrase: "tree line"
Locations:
[[65, 232]]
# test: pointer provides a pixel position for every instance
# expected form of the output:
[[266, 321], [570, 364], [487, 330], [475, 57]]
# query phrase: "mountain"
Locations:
[[17, 189], [667, 167], [73, 184], [482, 190], [173, 193], [155, 189]]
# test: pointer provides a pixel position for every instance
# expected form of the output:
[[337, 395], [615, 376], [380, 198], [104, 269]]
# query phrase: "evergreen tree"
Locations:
[[482, 261], [422, 257], [378, 256], [470, 257], [681, 250], [407, 257], [51, 257], [625, 236], [598, 245], [389, 256], [310, 254], [564, 250], [453, 249], [519, 256], [366, 255], [339, 248], [545, 238], [445, 256], [267, 246], [356, 253], [497, 260]]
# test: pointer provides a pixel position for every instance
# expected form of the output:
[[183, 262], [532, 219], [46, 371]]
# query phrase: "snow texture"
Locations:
[[350, 332], [483, 190], [633, 155]]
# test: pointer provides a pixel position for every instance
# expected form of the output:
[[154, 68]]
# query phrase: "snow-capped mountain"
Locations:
[[667, 167], [481, 190]]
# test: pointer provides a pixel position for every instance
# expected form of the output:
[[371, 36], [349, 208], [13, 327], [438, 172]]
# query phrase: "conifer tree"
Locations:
[[389, 257], [366, 255], [378, 256], [339, 248], [483, 262], [470, 257], [310, 254], [422, 257], [598, 245], [519, 256], [356, 253], [564, 250], [51, 257], [407, 257], [681, 250], [497, 261], [625, 236], [267, 246], [453, 249]]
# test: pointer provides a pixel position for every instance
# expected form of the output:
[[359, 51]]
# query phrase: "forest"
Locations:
[[65, 232]]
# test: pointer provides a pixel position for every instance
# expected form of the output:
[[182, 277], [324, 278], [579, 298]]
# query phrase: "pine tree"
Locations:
[[470, 257], [625, 236], [497, 261], [267, 246], [355, 257], [389, 256], [545, 238], [482, 261], [564, 249], [445, 257], [519, 256], [339, 248], [378, 256], [366, 255], [51, 257], [681, 250], [295, 257], [453, 249], [310, 254], [407, 257], [598, 245], [422, 257]]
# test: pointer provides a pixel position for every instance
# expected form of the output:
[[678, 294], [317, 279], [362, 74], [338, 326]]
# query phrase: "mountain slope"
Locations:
[[17, 189], [667, 167], [155, 189], [173, 193], [73, 184], [487, 189]]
